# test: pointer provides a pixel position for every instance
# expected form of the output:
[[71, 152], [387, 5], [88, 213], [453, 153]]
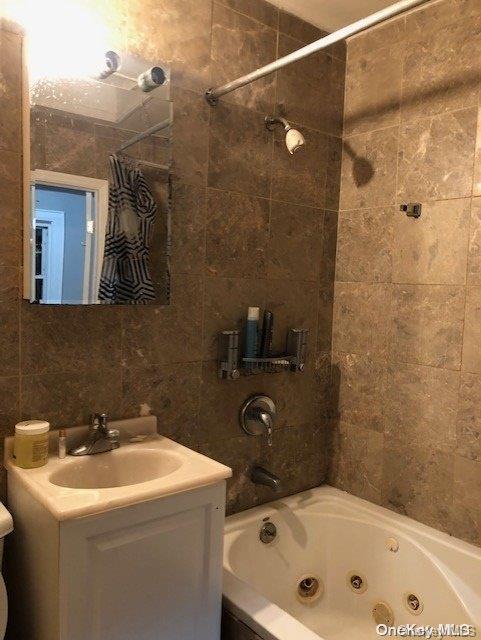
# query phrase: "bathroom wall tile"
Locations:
[[158, 335], [361, 313], [472, 331], [237, 234], [50, 338], [467, 482], [474, 256], [239, 45], [358, 471], [298, 28], [324, 321], [10, 90], [188, 228], [238, 453], [436, 81], [70, 146], [10, 229], [177, 32], [190, 138], [427, 325], [291, 450], [468, 422], [10, 169], [240, 151], [225, 307], [9, 321], [477, 160], [311, 77], [260, 10], [296, 399], [294, 307], [440, 15], [436, 157], [421, 406], [418, 482], [295, 242], [365, 245], [300, 178], [362, 387], [466, 523], [373, 90], [68, 399], [388, 33], [171, 392], [333, 178], [220, 403], [369, 169], [10, 406], [432, 249], [329, 246], [9, 284]]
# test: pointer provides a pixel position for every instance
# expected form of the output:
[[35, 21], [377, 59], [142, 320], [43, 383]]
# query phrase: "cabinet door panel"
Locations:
[[144, 575]]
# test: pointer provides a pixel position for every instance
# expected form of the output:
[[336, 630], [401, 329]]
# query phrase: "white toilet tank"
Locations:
[[6, 526]]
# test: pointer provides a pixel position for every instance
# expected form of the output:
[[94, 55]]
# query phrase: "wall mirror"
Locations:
[[98, 176]]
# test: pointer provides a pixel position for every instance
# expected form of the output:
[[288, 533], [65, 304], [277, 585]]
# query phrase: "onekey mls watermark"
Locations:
[[419, 631]]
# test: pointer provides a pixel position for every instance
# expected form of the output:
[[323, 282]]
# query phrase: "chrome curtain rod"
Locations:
[[213, 95], [145, 134]]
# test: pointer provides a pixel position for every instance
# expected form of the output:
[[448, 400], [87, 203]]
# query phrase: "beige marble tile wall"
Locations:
[[407, 315], [251, 226]]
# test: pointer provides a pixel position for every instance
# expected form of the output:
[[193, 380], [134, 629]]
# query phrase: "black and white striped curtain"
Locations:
[[126, 277]]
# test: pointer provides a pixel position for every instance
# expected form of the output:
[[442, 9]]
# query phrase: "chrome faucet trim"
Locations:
[[99, 439], [257, 416], [259, 475]]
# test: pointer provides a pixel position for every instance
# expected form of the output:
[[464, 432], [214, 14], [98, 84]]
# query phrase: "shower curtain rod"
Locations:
[[145, 134], [212, 95]]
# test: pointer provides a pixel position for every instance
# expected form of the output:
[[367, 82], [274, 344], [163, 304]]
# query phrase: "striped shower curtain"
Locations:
[[126, 277]]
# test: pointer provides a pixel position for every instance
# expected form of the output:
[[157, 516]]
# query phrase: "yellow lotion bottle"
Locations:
[[30, 448]]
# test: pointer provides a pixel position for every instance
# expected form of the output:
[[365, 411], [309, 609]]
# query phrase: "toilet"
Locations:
[[6, 526]]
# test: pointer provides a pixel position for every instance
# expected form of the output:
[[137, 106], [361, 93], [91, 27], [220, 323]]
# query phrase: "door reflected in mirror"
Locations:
[[69, 217]]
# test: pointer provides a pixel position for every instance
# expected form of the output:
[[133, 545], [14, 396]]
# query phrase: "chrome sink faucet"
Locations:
[[99, 439]]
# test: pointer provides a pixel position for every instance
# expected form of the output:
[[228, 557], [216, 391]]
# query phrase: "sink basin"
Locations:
[[145, 467], [124, 468]]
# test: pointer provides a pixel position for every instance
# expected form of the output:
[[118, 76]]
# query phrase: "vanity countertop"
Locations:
[[156, 467]]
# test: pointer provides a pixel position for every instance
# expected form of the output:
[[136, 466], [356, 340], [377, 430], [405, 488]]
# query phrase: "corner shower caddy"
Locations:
[[232, 365]]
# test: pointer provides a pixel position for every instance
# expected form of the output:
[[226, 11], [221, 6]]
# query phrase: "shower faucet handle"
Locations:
[[257, 417]]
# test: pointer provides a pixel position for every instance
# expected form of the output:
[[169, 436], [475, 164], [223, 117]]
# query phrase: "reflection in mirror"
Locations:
[[100, 167]]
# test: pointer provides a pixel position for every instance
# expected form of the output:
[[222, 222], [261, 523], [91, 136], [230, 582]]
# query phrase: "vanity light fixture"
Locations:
[[151, 79], [112, 63]]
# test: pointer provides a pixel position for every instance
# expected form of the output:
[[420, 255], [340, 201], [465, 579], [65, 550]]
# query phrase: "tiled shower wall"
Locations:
[[407, 316], [251, 226]]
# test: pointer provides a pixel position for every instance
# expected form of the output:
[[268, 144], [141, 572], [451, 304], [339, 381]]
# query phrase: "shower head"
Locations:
[[294, 138]]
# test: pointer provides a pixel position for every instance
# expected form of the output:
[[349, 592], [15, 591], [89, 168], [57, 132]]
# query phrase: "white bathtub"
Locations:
[[330, 535]]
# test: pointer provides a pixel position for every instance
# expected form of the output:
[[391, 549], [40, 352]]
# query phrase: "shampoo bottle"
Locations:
[[252, 328]]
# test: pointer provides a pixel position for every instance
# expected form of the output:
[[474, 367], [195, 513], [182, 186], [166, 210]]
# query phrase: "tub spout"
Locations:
[[259, 475]]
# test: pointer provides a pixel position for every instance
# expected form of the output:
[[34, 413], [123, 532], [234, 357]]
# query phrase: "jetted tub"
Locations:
[[362, 556]]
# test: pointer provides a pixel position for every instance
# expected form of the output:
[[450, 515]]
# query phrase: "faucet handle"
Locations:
[[98, 421], [113, 435], [257, 416], [266, 420]]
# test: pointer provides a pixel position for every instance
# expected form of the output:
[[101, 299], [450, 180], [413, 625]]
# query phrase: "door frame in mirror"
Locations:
[[67, 181]]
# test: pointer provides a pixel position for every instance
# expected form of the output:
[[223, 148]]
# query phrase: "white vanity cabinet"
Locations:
[[118, 563], [151, 571]]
